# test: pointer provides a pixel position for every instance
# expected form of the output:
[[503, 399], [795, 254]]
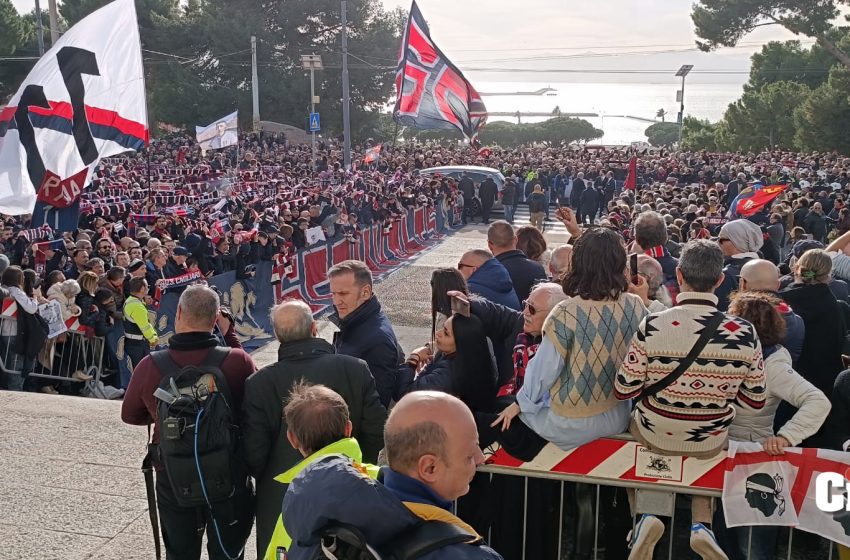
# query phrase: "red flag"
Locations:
[[631, 176]]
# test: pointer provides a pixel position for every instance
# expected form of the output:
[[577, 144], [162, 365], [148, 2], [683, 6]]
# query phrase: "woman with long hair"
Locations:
[[530, 241], [462, 365], [568, 395], [443, 281], [13, 280]]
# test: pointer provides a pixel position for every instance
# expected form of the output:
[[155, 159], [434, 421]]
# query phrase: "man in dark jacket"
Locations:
[[196, 316], [815, 224], [524, 272], [301, 357], [487, 277], [364, 331], [590, 200], [734, 188], [509, 200], [467, 189], [176, 264], [418, 484], [651, 236], [487, 193]]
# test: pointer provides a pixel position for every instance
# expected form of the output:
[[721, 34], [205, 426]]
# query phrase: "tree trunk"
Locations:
[[830, 47]]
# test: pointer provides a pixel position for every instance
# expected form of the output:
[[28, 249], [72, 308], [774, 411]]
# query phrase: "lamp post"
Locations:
[[683, 71], [312, 62], [346, 101]]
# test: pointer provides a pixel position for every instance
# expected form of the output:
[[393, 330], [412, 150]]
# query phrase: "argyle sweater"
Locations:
[[693, 414], [592, 337]]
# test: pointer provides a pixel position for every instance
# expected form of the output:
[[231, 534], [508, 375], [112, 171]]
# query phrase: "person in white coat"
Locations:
[[783, 384]]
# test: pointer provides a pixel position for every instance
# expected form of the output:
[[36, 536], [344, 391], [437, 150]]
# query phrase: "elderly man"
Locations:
[[651, 236], [487, 277], [560, 262], [740, 241], [301, 357], [693, 416], [524, 272], [759, 275], [657, 295], [365, 331], [432, 450], [194, 344]]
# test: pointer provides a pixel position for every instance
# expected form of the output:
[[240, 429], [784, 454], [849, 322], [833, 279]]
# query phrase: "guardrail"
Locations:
[[661, 483]]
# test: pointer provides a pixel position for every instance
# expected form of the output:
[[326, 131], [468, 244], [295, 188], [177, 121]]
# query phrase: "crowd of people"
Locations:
[[530, 344]]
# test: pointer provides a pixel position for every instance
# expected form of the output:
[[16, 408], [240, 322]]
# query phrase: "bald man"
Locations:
[[301, 357], [560, 262], [759, 275], [487, 277], [431, 443]]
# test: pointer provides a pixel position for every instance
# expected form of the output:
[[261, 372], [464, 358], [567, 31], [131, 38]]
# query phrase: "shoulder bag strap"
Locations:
[[426, 537], [685, 363], [147, 470]]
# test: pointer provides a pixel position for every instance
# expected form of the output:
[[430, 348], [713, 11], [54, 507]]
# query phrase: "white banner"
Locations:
[[222, 133], [760, 489], [51, 312], [84, 100]]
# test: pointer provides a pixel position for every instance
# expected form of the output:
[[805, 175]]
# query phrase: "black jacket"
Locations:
[[502, 325], [525, 273], [267, 451], [466, 187], [367, 334], [487, 192], [731, 280], [443, 374], [509, 194]]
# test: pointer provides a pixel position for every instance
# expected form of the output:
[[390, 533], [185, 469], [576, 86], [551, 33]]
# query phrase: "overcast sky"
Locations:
[[474, 33]]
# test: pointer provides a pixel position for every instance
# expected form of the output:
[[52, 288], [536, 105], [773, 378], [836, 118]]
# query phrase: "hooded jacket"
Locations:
[[493, 282], [331, 488]]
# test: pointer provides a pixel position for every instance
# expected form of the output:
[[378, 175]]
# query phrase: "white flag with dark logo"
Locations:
[[222, 133], [84, 100]]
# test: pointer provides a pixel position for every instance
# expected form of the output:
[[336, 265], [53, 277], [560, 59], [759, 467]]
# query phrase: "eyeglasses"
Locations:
[[531, 309], [460, 265]]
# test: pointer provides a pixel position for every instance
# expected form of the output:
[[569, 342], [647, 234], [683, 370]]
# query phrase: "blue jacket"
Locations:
[[492, 281], [331, 488], [367, 334]]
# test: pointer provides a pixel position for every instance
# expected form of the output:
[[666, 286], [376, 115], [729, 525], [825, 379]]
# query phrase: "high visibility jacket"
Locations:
[[136, 324], [347, 447]]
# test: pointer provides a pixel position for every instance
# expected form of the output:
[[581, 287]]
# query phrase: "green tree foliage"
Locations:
[[788, 61], [822, 120], [558, 131], [662, 134], [698, 134], [763, 118], [722, 23], [16, 33]]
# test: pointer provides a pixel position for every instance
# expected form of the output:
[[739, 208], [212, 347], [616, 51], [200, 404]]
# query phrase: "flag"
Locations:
[[373, 154], [762, 489], [631, 176], [430, 91], [753, 198], [220, 134], [84, 100]]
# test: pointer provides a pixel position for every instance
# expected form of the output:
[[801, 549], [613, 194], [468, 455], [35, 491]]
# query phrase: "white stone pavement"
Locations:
[[70, 483]]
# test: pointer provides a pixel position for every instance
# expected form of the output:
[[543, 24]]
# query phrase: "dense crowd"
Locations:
[[518, 327]]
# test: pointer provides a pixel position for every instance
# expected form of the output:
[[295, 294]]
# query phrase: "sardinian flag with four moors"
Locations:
[[431, 91], [84, 100]]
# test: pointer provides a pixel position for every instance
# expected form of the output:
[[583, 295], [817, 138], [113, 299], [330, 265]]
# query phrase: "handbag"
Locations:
[[685, 363]]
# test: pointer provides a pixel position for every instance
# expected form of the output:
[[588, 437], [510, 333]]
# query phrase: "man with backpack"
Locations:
[[432, 449], [192, 393]]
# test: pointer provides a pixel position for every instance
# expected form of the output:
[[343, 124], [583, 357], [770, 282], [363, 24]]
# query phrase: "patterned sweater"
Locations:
[[693, 414], [592, 337]]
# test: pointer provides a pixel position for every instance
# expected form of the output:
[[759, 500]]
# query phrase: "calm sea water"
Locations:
[[706, 101]]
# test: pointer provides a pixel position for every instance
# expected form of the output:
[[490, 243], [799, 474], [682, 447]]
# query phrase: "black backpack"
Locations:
[[345, 542], [198, 437]]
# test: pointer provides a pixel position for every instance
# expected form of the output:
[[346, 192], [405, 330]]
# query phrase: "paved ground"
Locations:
[[70, 484]]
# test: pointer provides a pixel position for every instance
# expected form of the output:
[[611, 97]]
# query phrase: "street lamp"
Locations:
[[312, 62], [683, 71]]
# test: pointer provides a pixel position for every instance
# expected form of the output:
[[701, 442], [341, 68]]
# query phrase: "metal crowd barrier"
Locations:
[[74, 350], [619, 462]]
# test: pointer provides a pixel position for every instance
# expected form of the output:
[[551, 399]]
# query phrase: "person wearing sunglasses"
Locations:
[[486, 277]]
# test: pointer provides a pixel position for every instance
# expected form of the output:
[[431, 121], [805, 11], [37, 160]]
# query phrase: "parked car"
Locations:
[[474, 172]]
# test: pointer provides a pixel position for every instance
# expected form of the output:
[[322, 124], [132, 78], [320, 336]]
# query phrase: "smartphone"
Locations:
[[460, 305], [633, 267]]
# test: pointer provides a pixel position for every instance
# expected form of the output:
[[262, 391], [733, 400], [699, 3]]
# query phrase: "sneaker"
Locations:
[[643, 538], [49, 390], [704, 543]]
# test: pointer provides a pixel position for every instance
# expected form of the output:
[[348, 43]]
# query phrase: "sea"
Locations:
[[619, 106]]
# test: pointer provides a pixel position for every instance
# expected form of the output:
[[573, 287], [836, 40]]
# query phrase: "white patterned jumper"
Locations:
[[692, 416]]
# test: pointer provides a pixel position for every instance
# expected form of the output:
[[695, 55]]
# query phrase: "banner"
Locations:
[[51, 312], [84, 100], [762, 489], [430, 91], [631, 176], [222, 133]]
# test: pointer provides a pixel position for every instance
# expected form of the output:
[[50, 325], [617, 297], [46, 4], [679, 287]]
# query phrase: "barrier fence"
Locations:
[[585, 491]]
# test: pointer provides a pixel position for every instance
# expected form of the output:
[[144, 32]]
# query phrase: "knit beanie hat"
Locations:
[[744, 234]]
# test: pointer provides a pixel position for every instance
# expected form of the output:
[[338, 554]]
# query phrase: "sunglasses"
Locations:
[[460, 265], [531, 309]]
